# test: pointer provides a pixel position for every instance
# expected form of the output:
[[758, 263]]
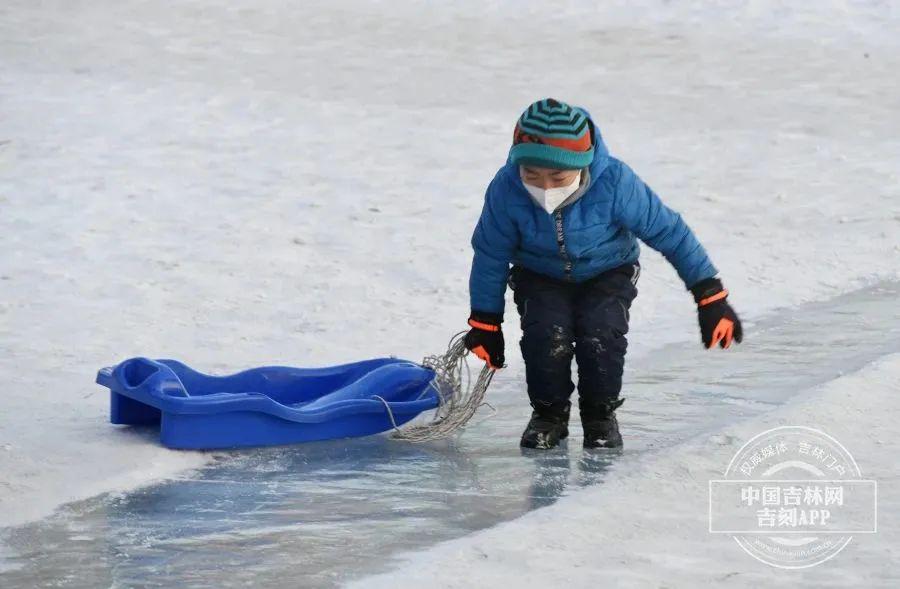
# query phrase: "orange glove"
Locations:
[[719, 324], [485, 339]]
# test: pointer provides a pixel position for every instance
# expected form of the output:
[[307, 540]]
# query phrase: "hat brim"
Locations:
[[548, 156]]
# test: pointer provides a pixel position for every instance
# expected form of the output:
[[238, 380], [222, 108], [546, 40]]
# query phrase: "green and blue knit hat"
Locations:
[[553, 134]]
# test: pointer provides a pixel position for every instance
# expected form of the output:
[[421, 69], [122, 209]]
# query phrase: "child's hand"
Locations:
[[485, 339], [719, 324]]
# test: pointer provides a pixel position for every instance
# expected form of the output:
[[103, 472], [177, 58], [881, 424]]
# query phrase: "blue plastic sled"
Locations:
[[266, 406]]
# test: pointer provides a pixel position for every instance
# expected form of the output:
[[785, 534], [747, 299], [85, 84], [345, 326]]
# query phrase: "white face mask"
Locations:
[[551, 198]]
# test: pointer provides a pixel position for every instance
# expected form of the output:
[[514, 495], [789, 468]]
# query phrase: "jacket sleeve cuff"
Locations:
[[485, 318]]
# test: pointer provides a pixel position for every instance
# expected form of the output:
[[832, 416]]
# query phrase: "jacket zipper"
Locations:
[[561, 244]]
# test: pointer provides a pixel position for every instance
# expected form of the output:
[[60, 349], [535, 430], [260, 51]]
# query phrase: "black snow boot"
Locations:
[[548, 425], [601, 430]]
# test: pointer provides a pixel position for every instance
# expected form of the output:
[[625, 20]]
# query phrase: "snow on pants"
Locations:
[[587, 321]]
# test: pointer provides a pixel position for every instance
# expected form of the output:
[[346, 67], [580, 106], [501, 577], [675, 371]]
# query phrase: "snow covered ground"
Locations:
[[246, 183]]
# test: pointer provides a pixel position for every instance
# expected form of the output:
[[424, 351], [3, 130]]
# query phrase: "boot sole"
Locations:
[[540, 446]]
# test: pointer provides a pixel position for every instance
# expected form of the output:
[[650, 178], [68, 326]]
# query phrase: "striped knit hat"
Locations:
[[552, 134]]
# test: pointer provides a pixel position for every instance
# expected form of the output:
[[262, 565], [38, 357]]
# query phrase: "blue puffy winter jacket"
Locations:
[[594, 233]]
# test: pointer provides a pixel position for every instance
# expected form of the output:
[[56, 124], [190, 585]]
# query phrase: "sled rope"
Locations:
[[459, 397]]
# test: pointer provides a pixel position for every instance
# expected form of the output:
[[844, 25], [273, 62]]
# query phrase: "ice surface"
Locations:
[[322, 513], [647, 525], [246, 183]]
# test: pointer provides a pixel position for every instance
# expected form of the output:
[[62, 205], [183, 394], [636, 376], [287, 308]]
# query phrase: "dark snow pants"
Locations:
[[587, 321]]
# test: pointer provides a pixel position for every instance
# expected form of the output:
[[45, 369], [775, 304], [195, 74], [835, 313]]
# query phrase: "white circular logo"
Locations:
[[792, 497]]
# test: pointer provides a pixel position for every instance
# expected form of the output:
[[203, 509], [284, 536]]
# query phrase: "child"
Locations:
[[566, 215]]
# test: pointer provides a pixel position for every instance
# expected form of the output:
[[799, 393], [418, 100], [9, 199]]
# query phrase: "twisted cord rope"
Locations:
[[459, 397]]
